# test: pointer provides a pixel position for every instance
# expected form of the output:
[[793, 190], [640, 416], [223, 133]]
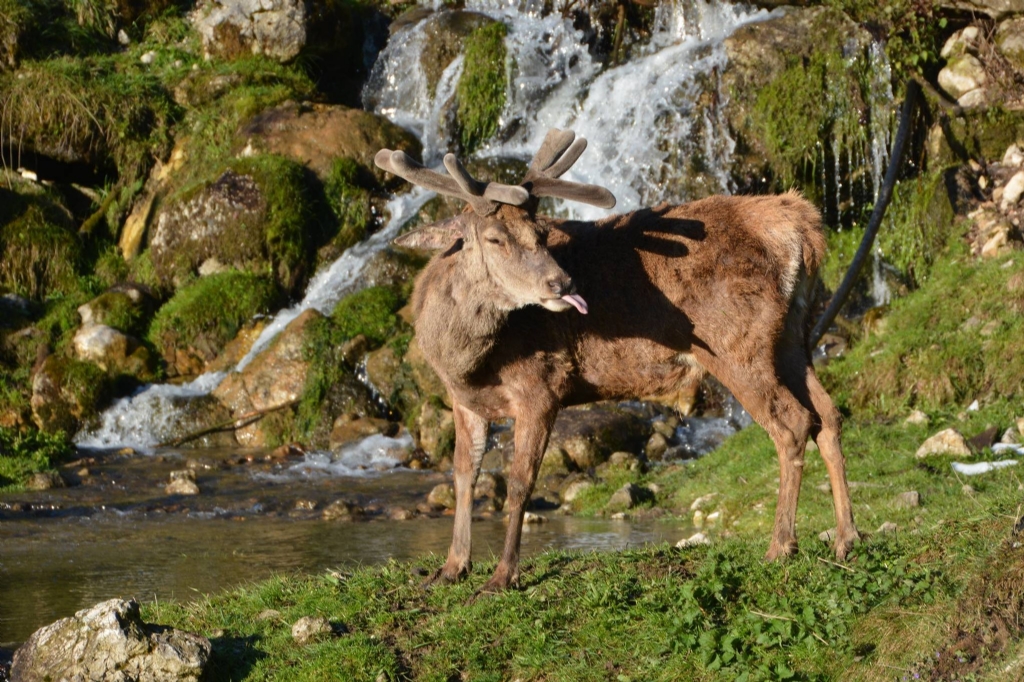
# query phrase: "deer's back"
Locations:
[[714, 276]]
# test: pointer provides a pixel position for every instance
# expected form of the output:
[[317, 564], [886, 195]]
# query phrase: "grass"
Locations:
[[23, 453], [661, 613], [39, 254]]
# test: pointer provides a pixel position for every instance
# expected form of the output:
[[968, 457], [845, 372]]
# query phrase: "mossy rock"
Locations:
[[370, 312], [25, 451], [351, 202], [39, 252], [480, 93], [791, 98], [985, 134], [126, 308], [445, 34], [66, 393], [316, 135], [254, 216], [194, 325]]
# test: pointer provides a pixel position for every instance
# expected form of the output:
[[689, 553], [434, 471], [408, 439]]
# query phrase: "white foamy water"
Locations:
[[155, 413], [372, 455]]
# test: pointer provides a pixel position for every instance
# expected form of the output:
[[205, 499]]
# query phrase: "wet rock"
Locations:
[[947, 442], [233, 28], [698, 519], [624, 498], [309, 629], [529, 518], [182, 483], [317, 134], [275, 377], [341, 510], [694, 540], [443, 37], [442, 496], [348, 430], [45, 480], [657, 446], [112, 350], [110, 642], [490, 486], [400, 513], [907, 500]]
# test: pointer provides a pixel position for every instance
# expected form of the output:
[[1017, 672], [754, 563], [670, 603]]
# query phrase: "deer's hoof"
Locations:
[[445, 576], [845, 544], [496, 585], [780, 550]]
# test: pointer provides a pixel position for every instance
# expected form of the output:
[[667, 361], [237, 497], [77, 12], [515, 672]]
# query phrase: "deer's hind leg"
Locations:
[[756, 386], [470, 440], [827, 433]]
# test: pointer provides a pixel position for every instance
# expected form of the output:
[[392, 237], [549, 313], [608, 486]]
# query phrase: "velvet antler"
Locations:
[[556, 155]]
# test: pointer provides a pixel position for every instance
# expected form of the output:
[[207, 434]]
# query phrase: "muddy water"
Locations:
[[115, 532]]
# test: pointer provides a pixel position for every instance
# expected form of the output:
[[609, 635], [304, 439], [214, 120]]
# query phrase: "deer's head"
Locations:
[[498, 233]]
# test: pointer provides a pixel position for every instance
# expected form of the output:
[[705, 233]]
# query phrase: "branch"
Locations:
[[231, 425]]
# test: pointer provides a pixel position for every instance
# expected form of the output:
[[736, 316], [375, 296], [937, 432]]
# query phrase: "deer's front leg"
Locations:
[[533, 426], [470, 440]]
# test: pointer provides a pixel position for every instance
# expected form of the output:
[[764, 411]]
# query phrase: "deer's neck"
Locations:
[[458, 318]]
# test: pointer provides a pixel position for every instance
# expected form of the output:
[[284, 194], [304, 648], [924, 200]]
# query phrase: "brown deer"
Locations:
[[719, 285]]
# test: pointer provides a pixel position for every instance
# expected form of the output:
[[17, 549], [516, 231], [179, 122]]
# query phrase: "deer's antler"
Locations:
[[484, 197], [556, 155]]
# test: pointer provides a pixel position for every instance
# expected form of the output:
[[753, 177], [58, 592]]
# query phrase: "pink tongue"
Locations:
[[577, 302]]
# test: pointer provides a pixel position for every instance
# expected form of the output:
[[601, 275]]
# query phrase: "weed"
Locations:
[[25, 452]]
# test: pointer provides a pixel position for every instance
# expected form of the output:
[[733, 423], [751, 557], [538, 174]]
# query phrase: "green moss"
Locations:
[[110, 266], [986, 133], [918, 224], [481, 89], [38, 256], [958, 338], [370, 312], [349, 200], [816, 104], [212, 310], [15, 20], [116, 309], [23, 453]]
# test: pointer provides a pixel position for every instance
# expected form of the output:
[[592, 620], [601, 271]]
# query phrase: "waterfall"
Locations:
[[152, 415]]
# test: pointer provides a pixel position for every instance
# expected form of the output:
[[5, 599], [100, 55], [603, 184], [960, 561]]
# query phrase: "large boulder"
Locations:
[[232, 28], [111, 642], [316, 134], [252, 216], [444, 35]]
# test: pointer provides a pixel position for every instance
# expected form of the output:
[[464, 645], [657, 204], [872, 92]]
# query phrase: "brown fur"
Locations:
[[719, 285]]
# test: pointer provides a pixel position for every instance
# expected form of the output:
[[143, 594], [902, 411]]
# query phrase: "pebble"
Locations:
[[827, 535], [917, 417], [148, 58], [698, 519], [702, 500], [947, 442], [887, 527], [906, 500]]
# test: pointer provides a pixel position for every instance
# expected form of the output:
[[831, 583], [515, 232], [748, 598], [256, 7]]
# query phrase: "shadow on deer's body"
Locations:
[[719, 285]]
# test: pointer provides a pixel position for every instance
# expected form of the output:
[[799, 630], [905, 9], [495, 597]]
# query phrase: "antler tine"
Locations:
[[483, 197], [554, 145], [559, 151]]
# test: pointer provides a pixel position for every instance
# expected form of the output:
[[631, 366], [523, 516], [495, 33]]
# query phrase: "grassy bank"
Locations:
[[905, 603]]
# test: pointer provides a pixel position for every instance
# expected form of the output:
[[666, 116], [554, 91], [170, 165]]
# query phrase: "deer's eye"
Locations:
[[494, 240]]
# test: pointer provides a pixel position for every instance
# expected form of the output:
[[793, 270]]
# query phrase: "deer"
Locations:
[[521, 314]]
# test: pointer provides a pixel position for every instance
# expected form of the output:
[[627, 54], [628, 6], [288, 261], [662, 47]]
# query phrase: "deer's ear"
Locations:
[[432, 237]]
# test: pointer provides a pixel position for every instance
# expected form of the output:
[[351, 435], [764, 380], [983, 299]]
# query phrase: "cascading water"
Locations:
[[152, 415]]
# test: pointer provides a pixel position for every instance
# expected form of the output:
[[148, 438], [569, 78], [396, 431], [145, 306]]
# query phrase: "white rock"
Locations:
[[959, 41], [148, 58], [947, 442], [961, 75], [974, 406], [971, 100], [123, 38], [917, 417], [100, 344], [1013, 156], [981, 467], [310, 628], [702, 500], [694, 540], [1012, 191]]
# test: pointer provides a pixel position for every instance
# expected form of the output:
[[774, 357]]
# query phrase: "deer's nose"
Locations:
[[560, 285]]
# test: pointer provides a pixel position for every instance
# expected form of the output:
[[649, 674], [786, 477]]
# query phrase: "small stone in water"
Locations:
[[182, 486]]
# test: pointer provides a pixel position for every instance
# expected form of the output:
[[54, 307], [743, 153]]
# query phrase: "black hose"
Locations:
[[877, 214]]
